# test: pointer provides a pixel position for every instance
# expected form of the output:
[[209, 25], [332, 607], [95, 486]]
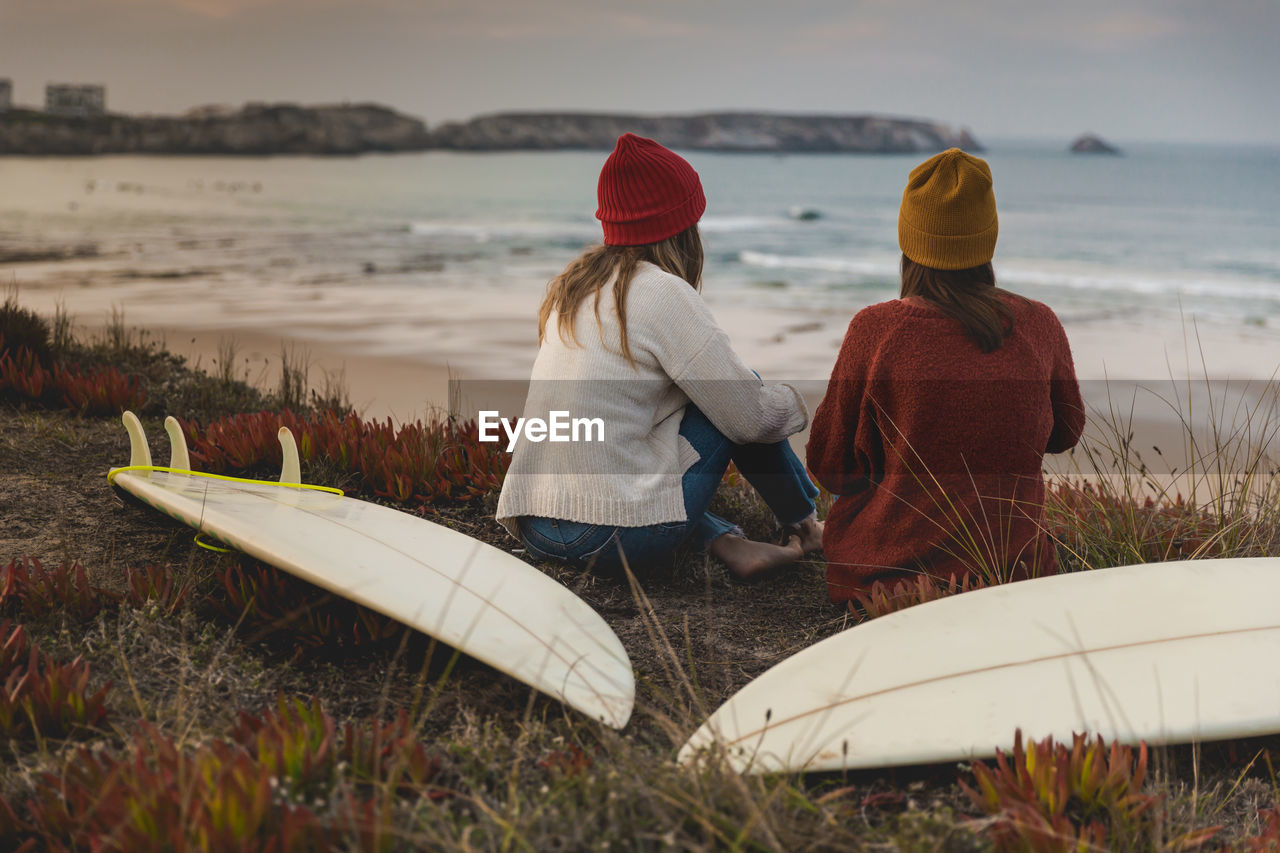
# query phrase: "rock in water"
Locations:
[[1092, 144]]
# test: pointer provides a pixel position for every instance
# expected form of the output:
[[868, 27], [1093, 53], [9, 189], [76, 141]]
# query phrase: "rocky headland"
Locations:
[[253, 129], [1091, 143], [258, 129], [763, 132]]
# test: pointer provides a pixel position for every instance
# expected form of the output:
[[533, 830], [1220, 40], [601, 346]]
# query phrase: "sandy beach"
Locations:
[[1141, 384], [378, 386]]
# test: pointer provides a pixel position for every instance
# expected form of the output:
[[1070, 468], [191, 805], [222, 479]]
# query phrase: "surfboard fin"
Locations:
[[178, 456], [291, 470], [139, 452]]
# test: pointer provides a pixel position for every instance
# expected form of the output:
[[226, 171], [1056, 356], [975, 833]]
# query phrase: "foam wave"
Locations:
[[482, 232], [1257, 262], [868, 267], [727, 224], [1141, 283]]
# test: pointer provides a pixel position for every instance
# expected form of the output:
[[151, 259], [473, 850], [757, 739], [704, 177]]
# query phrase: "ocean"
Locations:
[[443, 256]]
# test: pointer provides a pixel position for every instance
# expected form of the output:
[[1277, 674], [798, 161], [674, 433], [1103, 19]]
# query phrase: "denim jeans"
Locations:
[[772, 469]]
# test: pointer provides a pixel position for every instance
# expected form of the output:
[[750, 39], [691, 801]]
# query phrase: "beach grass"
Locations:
[[1124, 503], [245, 723]]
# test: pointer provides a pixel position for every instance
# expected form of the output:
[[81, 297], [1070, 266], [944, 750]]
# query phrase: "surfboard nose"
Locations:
[[603, 684], [614, 713]]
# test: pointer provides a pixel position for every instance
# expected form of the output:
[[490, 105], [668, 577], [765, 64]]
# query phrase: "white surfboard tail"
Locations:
[[478, 598]]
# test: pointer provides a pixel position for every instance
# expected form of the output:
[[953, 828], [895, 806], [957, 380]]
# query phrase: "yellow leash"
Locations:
[[111, 479], [208, 547]]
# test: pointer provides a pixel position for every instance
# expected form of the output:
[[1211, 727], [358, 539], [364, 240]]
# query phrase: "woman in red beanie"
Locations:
[[628, 343], [942, 405]]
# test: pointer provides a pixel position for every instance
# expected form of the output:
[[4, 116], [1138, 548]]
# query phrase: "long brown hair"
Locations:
[[680, 255], [968, 295]]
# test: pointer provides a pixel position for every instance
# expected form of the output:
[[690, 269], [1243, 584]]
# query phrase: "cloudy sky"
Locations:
[[1194, 70]]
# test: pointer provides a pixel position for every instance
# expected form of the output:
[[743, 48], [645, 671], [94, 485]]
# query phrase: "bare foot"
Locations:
[[749, 560], [810, 533]]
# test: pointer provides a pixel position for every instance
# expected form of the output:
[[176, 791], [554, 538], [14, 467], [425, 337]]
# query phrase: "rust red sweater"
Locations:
[[935, 448]]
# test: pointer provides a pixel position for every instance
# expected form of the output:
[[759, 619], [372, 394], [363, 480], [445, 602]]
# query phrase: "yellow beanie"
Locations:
[[948, 216]]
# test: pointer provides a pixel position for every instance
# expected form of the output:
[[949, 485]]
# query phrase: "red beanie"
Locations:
[[647, 193]]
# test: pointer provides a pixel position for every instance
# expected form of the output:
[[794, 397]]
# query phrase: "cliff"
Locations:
[[353, 129], [255, 129], [764, 132]]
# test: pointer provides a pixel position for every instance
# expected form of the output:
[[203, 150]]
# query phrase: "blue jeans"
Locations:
[[772, 469]]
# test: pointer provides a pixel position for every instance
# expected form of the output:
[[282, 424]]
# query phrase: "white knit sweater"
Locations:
[[632, 477]]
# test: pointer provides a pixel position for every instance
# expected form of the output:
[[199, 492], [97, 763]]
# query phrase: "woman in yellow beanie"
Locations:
[[942, 405]]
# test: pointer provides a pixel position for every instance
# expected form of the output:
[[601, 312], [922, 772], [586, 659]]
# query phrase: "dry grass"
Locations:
[[518, 771], [295, 372], [1221, 497]]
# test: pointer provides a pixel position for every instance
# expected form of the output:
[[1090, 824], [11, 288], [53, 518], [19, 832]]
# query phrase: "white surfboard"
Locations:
[[478, 599], [1164, 652]]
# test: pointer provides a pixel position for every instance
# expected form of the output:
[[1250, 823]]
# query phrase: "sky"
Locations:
[[1130, 70]]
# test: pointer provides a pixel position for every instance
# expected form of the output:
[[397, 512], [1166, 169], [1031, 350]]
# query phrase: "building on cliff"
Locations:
[[64, 100], [6, 94]]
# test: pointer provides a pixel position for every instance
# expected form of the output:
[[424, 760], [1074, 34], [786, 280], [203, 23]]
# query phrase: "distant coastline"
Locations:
[[265, 129], [736, 131]]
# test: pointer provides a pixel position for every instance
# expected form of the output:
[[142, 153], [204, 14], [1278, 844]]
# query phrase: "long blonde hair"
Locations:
[[680, 255]]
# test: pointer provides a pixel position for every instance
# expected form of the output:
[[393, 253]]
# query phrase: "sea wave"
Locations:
[[1029, 274], [869, 267], [1257, 262], [1146, 282], [482, 232], [728, 224]]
